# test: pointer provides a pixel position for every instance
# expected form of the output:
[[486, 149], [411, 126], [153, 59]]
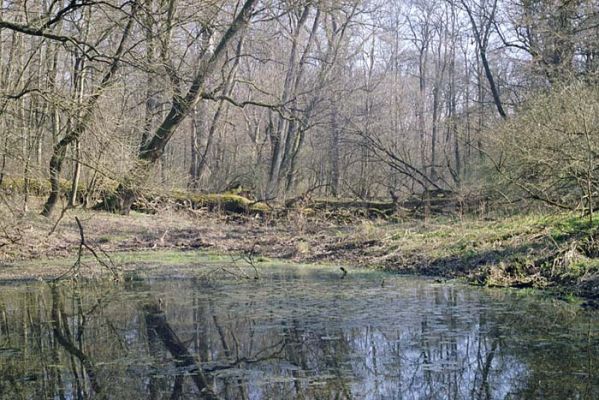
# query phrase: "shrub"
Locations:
[[550, 150]]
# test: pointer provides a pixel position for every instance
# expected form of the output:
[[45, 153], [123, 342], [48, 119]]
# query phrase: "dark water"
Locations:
[[293, 334]]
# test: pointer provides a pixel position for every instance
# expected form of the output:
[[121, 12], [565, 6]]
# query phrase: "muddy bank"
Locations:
[[550, 252]]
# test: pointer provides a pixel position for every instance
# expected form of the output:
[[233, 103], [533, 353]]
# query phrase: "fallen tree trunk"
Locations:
[[435, 202], [225, 202]]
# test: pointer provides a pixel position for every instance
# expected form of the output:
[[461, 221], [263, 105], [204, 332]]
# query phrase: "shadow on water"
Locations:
[[293, 334]]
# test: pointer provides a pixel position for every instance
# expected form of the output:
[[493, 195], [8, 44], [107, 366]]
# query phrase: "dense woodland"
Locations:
[[362, 99], [455, 139]]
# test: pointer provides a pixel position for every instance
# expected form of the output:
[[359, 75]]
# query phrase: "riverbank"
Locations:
[[558, 252]]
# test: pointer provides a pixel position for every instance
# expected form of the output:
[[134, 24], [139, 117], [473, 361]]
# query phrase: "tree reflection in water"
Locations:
[[291, 336]]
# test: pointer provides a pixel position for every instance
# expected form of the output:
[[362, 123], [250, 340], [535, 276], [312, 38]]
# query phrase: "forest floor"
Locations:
[[559, 252]]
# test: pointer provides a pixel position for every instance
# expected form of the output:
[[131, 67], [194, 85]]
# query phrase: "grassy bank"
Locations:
[[559, 252]]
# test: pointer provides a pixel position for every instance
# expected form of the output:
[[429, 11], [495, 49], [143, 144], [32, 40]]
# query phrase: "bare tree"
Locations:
[[482, 30], [181, 106]]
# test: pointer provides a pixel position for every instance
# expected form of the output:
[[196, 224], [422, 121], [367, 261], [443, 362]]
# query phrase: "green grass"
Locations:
[[459, 238], [168, 257], [535, 249]]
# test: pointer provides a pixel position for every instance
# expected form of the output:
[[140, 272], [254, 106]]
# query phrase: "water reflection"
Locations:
[[292, 335]]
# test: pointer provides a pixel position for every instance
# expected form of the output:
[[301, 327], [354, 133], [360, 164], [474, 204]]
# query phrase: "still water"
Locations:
[[295, 333]]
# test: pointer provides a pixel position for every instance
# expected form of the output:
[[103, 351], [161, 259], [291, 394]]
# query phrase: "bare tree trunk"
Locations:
[[434, 132], [26, 138], [440, 67], [79, 85], [76, 174], [452, 129], [481, 36], [334, 152], [491, 80], [296, 131], [150, 106], [3, 162], [421, 103], [59, 151], [194, 147], [279, 136], [480, 99], [220, 110], [180, 108]]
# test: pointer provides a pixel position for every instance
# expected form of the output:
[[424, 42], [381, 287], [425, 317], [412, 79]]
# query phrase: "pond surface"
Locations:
[[295, 333]]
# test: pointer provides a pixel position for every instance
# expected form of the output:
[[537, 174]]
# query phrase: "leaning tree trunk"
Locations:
[[481, 36], [181, 107]]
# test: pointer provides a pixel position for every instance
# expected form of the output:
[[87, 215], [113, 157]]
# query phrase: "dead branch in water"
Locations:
[[249, 257], [83, 245]]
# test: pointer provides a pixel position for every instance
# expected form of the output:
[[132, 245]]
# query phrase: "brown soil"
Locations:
[[293, 237], [29, 238]]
